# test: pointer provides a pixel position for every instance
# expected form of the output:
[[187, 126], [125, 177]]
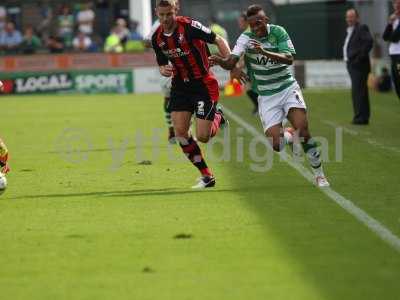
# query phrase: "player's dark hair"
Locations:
[[253, 10], [165, 3]]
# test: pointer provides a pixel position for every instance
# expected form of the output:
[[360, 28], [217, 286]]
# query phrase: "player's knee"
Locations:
[[203, 138]]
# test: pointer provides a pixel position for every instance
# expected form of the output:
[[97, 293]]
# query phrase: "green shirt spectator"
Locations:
[[30, 43], [113, 42], [219, 30], [66, 25]]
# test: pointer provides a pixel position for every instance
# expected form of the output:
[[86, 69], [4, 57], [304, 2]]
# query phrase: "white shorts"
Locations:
[[166, 83], [274, 109]]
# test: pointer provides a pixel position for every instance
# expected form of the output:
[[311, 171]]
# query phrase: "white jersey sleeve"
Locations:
[[242, 44], [154, 27]]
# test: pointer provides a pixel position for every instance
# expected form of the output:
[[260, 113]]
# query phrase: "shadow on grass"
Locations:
[[330, 250], [129, 193]]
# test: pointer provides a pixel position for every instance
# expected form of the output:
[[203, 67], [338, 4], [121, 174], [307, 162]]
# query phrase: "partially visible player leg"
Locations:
[[275, 136], [206, 129], [298, 118], [166, 88], [181, 121], [4, 168], [254, 99], [271, 116], [171, 132]]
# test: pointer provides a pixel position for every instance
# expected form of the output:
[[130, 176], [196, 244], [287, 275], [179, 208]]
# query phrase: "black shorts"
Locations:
[[198, 97]]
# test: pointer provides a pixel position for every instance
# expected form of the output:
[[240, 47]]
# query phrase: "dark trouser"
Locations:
[[359, 92], [396, 73]]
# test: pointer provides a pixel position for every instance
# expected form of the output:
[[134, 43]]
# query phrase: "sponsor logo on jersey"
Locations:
[[262, 60], [175, 53]]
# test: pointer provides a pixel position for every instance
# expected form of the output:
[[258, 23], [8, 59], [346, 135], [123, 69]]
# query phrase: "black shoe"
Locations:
[[360, 122], [204, 182]]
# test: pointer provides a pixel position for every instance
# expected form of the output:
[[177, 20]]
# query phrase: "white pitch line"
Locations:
[[370, 141], [375, 226]]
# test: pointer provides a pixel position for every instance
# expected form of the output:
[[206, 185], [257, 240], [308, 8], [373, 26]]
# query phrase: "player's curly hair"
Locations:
[[253, 10]]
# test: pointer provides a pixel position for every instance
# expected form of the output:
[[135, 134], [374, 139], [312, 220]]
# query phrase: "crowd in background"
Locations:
[[68, 30]]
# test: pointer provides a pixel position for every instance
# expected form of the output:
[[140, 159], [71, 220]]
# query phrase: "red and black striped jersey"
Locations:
[[186, 48]]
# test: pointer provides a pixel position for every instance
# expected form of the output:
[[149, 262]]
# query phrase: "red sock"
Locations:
[[193, 152]]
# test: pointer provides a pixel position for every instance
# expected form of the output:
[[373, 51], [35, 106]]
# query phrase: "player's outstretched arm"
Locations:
[[222, 45], [283, 58], [227, 63]]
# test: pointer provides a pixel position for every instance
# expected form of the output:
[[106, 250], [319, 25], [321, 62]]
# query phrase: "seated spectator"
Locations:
[[135, 35], [10, 39], [66, 25], [85, 19], [384, 82], [3, 18], [113, 42], [122, 29], [30, 43], [82, 43], [55, 44]]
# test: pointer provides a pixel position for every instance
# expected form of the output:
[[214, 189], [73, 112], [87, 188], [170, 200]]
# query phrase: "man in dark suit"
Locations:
[[357, 45]]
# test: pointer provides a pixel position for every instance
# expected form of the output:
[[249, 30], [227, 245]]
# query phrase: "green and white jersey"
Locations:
[[267, 77]]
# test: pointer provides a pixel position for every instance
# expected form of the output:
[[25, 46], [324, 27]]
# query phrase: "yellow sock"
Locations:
[[3, 148]]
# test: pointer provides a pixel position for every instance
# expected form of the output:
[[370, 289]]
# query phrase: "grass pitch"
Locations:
[[99, 206]]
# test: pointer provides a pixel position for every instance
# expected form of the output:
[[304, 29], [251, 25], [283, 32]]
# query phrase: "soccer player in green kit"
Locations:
[[268, 52]]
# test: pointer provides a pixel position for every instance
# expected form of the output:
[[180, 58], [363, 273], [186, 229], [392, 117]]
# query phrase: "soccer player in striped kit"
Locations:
[[268, 52], [180, 45]]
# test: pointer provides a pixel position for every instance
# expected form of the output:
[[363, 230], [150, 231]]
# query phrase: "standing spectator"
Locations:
[[392, 35], [219, 30], [55, 44], [376, 55], [10, 39], [85, 19], [384, 82], [82, 42], [45, 26], [31, 43], [66, 25], [357, 45], [3, 18]]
